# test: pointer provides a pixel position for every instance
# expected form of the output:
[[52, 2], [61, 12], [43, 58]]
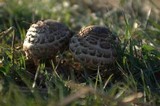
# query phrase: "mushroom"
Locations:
[[45, 39], [94, 46]]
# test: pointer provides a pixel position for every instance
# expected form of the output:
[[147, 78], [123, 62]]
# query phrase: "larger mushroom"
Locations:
[[45, 39], [94, 46]]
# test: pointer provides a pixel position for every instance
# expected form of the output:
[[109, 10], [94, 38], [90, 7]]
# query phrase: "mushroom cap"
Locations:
[[45, 38], [94, 46]]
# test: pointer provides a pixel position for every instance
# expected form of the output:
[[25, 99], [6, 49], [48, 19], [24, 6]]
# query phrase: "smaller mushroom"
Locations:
[[45, 39], [94, 46]]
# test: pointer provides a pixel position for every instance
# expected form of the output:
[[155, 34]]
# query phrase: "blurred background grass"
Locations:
[[136, 23]]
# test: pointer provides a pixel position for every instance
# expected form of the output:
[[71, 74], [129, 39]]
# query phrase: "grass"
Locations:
[[134, 81]]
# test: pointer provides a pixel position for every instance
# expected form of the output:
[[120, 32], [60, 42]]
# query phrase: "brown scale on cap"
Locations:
[[94, 46], [44, 39]]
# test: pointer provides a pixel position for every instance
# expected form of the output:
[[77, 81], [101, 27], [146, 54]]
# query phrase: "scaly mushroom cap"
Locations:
[[45, 38], [94, 46]]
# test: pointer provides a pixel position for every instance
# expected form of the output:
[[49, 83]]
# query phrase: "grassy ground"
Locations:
[[133, 82]]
